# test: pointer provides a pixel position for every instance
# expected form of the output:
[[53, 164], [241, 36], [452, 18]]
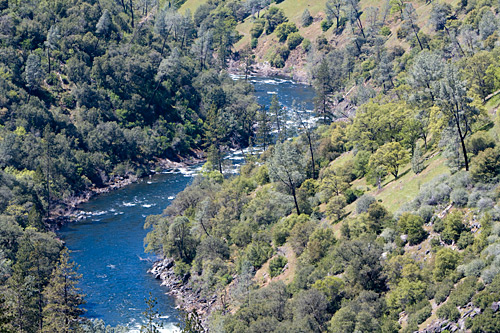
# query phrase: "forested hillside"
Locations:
[[384, 216], [92, 92]]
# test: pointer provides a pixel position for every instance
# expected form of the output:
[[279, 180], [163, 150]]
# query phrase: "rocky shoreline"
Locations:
[[186, 298], [67, 210]]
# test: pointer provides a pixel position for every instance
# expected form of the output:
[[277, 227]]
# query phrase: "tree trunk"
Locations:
[[132, 12], [462, 142], [295, 200], [418, 39], [312, 156]]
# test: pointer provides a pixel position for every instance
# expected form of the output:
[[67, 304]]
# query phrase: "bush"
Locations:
[[326, 24], [181, 268], [448, 311], [306, 45], [459, 197], [364, 203], [294, 40], [463, 292], [426, 212], [352, 195], [443, 290], [422, 314], [276, 265], [306, 18], [480, 141], [466, 239], [485, 167], [335, 207], [412, 226], [485, 203], [285, 29], [257, 28], [254, 43], [385, 31]]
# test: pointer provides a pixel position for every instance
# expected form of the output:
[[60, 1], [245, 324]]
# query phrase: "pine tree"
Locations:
[[51, 42], [62, 297], [151, 315], [33, 73]]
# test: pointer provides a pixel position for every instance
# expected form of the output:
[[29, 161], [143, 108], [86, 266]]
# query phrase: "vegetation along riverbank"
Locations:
[[381, 216]]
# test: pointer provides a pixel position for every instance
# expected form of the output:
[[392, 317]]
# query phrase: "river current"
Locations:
[[108, 244]]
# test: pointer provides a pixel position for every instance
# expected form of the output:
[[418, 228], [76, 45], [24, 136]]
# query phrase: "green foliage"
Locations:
[[151, 315], [446, 261], [485, 166], [326, 24], [294, 39], [448, 311], [306, 18], [412, 225], [284, 30], [453, 227], [276, 265]]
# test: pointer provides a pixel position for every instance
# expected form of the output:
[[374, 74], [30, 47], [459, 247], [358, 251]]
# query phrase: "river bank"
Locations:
[[67, 210], [186, 298]]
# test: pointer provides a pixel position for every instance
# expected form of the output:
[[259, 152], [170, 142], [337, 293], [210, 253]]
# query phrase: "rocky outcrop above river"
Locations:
[[186, 298]]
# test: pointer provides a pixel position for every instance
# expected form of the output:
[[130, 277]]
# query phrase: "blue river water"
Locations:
[[108, 245]]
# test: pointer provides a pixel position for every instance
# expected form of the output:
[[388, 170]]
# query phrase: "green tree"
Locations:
[[412, 225], [274, 17], [410, 21], [456, 106], [287, 167], [306, 18], [285, 29], [51, 42], [33, 73], [62, 298], [390, 156], [151, 315], [333, 10], [446, 261]]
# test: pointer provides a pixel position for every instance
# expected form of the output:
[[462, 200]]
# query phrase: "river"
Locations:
[[108, 244]]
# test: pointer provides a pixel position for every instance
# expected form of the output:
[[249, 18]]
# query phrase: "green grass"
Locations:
[[191, 5], [395, 193]]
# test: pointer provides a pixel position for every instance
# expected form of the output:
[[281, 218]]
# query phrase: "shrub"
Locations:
[[463, 292], [257, 28], [466, 239], [485, 203], [285, 29], [459, 197], [306, 44], [443, 290], [480, 141], [486, 165], [294, 40], [453, 227], [412, 226], [276, 265], [385, 31], [335, 207], [448, 311], [473, 268], [326, 24], [306, 18], [364, 203], [352, 195], [254, 43], [181, 268], [426, 212]]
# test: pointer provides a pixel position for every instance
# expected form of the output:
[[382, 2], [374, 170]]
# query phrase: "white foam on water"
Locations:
[[148, 205], [167, 328], [171, 197], [129, 204], [272, 93]]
